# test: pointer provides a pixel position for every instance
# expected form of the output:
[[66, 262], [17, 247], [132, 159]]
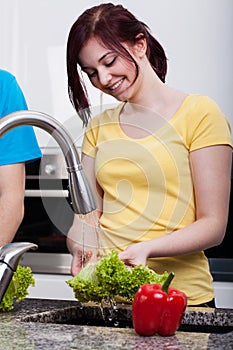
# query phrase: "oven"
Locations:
[[48, 214]]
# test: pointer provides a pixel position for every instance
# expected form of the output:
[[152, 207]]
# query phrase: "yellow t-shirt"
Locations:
[[147, 184]]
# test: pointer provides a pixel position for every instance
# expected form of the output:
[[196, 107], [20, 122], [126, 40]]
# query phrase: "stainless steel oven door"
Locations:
[[48, 215], [46, 222]]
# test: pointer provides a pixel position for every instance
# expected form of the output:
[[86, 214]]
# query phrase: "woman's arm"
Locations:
[[211, 173], [83, 238], [12, 186]]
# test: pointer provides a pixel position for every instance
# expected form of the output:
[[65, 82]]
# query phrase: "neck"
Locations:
[[151, 90], [154, 95]]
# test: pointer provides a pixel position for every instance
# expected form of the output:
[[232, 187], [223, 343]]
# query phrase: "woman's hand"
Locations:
[[81, 258], [135, 254], [83, 241]]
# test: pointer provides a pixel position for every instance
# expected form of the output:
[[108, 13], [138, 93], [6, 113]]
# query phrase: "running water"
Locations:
[[90, 236], [90, 223], [82, 219], [111, 317]]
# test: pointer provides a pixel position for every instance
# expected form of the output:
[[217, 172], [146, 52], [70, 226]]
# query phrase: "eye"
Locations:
[[111, 62], [92, 74]]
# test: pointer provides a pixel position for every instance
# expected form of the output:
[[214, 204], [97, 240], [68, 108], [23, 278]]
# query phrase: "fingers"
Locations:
[[127, 259], [85, 257], [75, 265], [80, 259], [130, 258]]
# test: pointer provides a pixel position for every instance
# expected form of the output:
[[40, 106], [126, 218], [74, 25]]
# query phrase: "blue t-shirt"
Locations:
[[20, 144]]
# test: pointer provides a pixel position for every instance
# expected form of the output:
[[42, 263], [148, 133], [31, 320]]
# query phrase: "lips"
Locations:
[[116, 85]]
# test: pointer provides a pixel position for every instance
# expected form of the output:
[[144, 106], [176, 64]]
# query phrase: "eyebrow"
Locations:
[[99, 60]]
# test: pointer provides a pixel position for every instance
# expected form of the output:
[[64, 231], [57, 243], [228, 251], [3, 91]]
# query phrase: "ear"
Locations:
[[140, 45]]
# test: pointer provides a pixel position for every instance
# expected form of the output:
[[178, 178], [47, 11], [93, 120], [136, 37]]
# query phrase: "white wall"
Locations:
[[196, 35]]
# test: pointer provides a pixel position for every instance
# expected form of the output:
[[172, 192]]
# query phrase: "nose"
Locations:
[[104, 77]]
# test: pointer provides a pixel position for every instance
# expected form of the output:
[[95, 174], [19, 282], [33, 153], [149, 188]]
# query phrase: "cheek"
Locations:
[[129, 66], [94, 82]]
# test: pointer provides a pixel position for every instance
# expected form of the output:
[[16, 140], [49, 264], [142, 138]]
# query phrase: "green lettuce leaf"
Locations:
[[18, 287], [109, 278], [85, 285]]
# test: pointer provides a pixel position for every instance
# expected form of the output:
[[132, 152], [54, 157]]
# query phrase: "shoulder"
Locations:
[[8, 83], [203, 103], [200, 109], [6, 77], [101, 127], [12, 97], [205, 124], [109, 115]]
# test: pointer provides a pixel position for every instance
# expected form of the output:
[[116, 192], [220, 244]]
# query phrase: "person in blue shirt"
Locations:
[[16, 147]]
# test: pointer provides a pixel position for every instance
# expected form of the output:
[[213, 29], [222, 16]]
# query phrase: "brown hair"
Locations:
[[113, 25]]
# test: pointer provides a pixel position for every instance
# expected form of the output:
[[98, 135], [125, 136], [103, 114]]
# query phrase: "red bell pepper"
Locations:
[[157, 309]]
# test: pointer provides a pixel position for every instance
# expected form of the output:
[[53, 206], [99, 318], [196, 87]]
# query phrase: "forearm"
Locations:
[[202, 234], [12, 186], [11, 215]]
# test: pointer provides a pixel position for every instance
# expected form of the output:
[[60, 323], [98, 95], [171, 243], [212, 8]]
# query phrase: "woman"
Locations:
[[159, 162]]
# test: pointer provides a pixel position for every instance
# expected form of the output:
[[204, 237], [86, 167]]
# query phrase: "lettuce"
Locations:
[[85, 285], [18, 287], [109, 278]]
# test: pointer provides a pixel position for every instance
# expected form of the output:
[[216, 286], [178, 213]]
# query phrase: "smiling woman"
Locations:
[[148, 158], [105, 68], [112, 65]]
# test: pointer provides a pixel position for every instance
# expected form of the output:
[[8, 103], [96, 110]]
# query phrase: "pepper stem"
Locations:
[[167, 282]]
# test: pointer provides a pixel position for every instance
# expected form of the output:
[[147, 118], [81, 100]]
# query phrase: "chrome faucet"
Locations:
[[82, 198], [10, 255]]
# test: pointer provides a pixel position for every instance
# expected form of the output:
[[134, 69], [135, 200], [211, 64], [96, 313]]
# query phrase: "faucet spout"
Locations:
[[10, 255], [83, 200]]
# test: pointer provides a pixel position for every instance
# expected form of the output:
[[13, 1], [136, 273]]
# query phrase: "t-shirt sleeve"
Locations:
[[207, 126], [19, 144], [14, 99]]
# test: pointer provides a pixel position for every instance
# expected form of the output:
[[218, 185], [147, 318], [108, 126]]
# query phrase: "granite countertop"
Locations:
[[43, 324]]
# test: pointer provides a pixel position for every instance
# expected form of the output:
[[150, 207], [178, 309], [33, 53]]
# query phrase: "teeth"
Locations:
[[116, 85]]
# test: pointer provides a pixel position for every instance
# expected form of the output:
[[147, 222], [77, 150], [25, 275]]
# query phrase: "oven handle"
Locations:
[[47, 193]]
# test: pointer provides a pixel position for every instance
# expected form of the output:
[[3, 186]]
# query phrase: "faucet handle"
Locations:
[[12, 252]]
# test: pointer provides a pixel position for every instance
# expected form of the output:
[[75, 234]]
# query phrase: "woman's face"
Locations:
[[108, 71]]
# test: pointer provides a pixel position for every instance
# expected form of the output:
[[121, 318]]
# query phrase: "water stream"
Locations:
[[90, 237]]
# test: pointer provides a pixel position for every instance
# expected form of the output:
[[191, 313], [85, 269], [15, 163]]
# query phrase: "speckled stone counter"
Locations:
[[43, 324]]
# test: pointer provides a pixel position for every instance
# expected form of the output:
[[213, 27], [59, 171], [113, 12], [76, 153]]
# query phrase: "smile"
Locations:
[[115, 86]]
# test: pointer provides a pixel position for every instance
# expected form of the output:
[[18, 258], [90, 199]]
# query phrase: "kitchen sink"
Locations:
[[202, 320]]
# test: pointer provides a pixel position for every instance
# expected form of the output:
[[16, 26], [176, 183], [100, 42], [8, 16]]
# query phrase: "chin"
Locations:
[[122, 98]]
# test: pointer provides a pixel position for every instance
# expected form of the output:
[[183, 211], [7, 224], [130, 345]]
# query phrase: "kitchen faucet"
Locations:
[[10, 255], [82, 197], [83, 200]]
